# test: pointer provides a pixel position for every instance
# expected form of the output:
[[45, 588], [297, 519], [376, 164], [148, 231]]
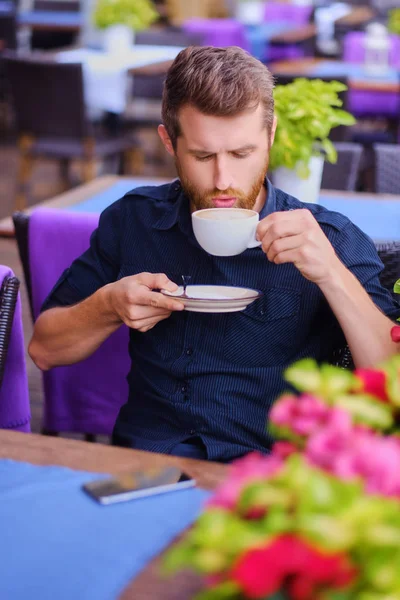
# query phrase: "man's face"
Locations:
[[222, 161]]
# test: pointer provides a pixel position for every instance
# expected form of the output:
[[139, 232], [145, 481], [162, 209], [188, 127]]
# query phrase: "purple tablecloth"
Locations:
[[14, 396]]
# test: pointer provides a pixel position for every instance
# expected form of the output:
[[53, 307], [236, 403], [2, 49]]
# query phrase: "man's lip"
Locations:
[[223, 202]]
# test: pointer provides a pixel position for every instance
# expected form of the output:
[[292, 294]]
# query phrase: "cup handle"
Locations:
[[254, 243]]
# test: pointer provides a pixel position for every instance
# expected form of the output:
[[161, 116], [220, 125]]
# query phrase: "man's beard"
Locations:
[[200, 200]]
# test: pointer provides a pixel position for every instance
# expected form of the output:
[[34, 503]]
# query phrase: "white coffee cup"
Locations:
[[225, 231]]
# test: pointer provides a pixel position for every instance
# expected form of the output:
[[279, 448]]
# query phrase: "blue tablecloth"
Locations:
[[380, 219], [51, 17], [58, 543]]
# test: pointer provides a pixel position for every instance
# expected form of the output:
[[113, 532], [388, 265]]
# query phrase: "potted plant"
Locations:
[[120, 19], [319, 518], [307, 111]]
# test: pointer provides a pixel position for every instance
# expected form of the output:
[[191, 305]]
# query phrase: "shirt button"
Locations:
[[192, 431], [184, 388], [189, 351]]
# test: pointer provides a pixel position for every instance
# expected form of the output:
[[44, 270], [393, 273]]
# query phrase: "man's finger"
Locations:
[[156, 281], [282, 245], [157, 300]]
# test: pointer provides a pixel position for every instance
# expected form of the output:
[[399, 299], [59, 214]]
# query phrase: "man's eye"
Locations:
[[238, 155], [204, 158]]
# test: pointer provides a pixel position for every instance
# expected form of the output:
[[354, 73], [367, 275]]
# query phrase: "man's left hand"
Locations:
[[296, 237]]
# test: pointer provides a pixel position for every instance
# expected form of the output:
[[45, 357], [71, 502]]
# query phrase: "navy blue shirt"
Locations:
[[213, 376]]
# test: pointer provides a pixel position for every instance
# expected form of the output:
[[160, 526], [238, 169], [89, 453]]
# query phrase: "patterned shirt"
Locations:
[[214, 376]]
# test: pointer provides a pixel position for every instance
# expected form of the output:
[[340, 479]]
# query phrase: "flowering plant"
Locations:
[[319, 518]]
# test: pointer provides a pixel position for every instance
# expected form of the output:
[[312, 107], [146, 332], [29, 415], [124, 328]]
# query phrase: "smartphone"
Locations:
[[138, 484]]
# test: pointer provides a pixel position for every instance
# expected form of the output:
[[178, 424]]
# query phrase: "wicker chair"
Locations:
[[343, 174], [389, 253], [48, 39], [387, 172], [52, 121], [8, 300], [14, 395]]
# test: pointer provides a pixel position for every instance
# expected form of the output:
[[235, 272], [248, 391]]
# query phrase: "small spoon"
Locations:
[[185, 280]]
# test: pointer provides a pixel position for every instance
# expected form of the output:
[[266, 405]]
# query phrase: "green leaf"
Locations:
[[367, 410], [330, 150], [396, 287], [228, 590], [307, 110], [304, 375]]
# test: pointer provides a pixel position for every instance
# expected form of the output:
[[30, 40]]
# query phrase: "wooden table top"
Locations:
[[297, 35], [358, 16], [99, 458]]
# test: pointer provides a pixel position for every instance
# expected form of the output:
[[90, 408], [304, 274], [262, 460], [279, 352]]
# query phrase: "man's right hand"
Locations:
[[135, 303]]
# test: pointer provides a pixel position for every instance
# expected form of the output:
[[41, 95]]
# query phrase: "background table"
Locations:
[[42, 450], [377, 214]]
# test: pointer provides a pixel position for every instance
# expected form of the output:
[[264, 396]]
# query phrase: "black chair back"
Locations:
[[343, 174], [387, 171], [151, 87], [57, 5], [48, 98], [8, 31]]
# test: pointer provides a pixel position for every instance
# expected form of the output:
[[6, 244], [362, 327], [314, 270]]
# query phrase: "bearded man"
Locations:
[[201, 385]]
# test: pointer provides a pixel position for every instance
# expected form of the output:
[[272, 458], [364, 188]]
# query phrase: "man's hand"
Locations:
[[134, 302], [296, 237]]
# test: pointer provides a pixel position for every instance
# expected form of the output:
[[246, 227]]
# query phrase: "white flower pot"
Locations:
[[250, 12], [118, 39], [305, 190]]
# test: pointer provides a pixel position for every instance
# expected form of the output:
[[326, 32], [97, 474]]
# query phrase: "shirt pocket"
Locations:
[[265, 333]]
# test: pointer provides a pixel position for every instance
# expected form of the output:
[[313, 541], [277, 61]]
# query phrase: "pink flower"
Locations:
[[330, 441], [303, 415], [358, 452], [291, 563], [395, 333], [252, 467], [283, 449], [373, 382]]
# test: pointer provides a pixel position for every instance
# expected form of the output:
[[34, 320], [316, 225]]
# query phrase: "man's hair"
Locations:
[[217, 81]]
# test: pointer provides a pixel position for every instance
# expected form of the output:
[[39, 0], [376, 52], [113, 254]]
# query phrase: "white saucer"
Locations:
[[215, 298]]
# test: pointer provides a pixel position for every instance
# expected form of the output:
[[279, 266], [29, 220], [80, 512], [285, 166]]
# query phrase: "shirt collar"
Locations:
[[176, 209]]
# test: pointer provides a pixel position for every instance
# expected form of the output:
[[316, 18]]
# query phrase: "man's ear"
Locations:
[[273, 130], [166, 140]]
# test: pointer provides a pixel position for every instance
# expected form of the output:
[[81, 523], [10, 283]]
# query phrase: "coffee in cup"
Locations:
[[225, 231]]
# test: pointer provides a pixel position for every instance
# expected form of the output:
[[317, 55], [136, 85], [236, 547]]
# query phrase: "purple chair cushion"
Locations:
[[84, 397], [354, 50], [14, 395], [218, 32], [366, 103], [280, 11]]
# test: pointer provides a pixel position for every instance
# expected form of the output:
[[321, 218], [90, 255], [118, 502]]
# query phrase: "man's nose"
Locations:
[[222, 177]]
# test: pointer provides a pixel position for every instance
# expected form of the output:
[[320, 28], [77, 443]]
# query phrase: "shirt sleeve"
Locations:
[[96, 267], [358, 253]]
